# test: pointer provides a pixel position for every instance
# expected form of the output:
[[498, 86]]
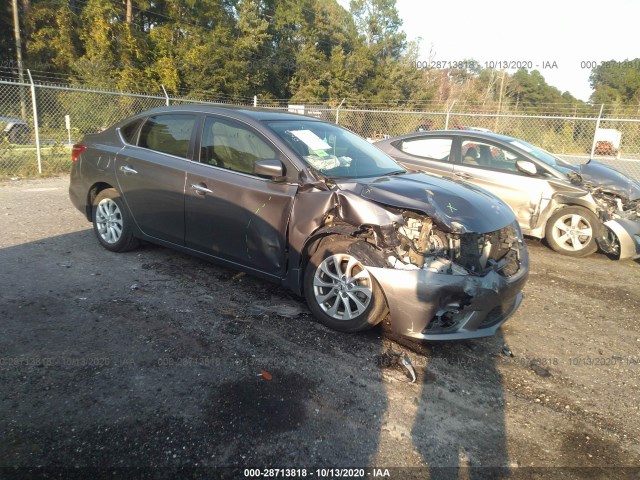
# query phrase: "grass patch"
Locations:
[[22, 160]]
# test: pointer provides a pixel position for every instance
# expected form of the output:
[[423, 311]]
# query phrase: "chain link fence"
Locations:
[[39, 140]]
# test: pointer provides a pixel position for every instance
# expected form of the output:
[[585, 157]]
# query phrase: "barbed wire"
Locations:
[[50, 78]]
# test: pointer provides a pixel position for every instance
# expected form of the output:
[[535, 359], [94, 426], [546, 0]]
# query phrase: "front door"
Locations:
[[230, 213], [493, 167]]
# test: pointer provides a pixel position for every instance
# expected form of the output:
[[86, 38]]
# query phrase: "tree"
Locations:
[[51, 36], [616, 82], [380, 23], [530, 89]]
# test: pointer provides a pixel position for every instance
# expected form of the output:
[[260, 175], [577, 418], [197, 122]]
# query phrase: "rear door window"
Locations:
[[170, 133]]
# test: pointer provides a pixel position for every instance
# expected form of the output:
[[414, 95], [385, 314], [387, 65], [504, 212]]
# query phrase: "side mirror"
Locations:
[[525, 166], [272, 169]]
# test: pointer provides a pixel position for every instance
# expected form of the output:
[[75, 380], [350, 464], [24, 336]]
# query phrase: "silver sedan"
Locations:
[[576, 208]]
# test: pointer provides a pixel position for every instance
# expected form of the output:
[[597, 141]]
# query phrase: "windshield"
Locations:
[[539, 153], [334, 151]]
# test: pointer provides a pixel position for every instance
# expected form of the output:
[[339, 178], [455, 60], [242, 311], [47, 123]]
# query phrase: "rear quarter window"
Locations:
[[130, 130]]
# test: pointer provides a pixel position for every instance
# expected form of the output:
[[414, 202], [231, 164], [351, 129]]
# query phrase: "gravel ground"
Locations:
[[157, 363]]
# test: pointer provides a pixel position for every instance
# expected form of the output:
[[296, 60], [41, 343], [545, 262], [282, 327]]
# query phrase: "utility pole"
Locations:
[[495, 127], [16, 32]]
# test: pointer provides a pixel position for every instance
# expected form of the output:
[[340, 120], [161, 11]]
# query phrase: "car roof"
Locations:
[[252, 113], [11, 120], [459, 133]]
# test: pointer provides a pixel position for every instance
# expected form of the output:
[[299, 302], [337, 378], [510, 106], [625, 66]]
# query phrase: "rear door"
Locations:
[[151, 175], [230, 212], [429, 154], [493, 167]]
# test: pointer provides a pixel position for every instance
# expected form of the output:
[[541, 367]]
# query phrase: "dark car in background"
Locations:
[[15, 130], [311, 206], [576, 208]]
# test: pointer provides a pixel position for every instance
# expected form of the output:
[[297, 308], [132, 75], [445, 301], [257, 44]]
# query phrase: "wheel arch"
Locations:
[[367, 255], [565, 201], [93, 192], [339, 231], [315, 240], [597, 230]]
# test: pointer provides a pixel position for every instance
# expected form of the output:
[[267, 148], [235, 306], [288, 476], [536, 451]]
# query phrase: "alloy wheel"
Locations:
[[109, 221], [342, 287], [572, 232]]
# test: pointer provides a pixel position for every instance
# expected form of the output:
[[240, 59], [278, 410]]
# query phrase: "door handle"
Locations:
[[126, 169], [201, 189], [463, 175]]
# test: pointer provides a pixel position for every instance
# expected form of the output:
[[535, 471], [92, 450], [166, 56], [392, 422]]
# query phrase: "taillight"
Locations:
[[76, 151]]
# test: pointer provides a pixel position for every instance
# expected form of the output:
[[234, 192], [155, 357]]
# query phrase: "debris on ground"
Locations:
[[237, 276], [283, 309], [406, 362], [266, 375], [506, 351], [392, 359], [539, 370]]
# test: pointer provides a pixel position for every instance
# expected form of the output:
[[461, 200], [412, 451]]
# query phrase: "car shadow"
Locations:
[[459, 428], [454, 415], [151, 362]]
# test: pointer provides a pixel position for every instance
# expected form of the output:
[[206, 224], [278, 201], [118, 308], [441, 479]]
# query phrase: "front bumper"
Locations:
[[628, 234], [473, 306]]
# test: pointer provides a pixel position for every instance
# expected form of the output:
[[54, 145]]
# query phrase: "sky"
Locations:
[[534, 32]]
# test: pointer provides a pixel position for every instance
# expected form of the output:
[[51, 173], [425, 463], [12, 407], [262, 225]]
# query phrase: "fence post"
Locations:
[[595, 133], [338, 112], [446, 122], [255, 101], [165, 94], [35, 121]]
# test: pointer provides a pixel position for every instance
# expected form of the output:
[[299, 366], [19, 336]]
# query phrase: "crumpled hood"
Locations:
[[458, 206], [601, 175]]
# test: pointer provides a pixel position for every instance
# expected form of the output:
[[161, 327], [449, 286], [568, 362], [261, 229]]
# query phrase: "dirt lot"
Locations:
[[151, 360]]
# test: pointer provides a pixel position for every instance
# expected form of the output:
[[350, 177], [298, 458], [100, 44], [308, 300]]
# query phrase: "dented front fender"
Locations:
[[628, 234]]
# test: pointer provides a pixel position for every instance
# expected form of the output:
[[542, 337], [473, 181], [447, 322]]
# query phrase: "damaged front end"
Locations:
[[621, 217], [617, 198], [450, 286]]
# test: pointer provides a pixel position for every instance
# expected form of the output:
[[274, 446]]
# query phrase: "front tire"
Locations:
[[572, 231], [341, 293], [111, 223]]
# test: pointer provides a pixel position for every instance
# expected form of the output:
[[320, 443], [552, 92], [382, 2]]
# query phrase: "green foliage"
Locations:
[[311, 51], [616, 82]]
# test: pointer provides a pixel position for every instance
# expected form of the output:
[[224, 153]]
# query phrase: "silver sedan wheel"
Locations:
[[572, 232], [342, 287], [109, 221]]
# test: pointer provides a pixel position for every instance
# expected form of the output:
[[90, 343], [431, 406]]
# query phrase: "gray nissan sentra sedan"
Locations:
[[311, 206]]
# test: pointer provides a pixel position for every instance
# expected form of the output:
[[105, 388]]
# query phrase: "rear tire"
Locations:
[[111, 222], [340, 291], [572, 231]]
